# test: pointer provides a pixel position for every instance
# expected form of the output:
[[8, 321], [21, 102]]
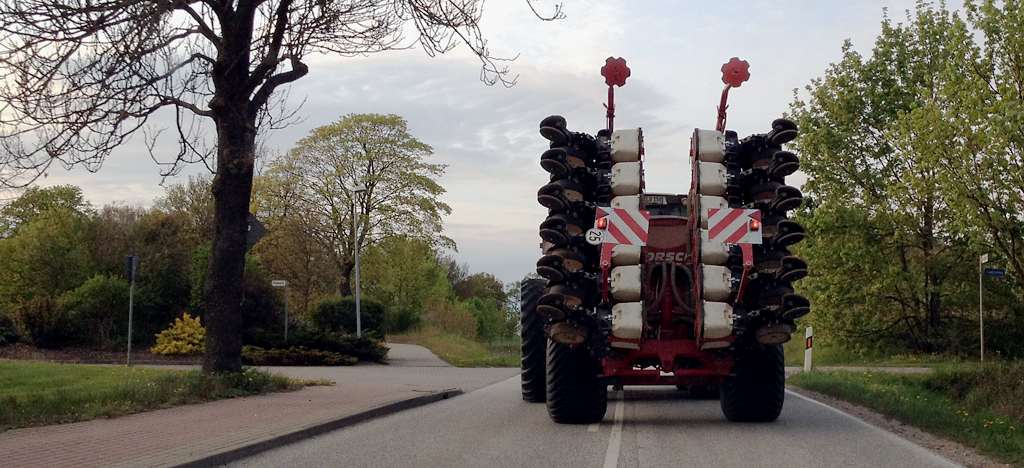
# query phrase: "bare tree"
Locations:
[[79, 77]]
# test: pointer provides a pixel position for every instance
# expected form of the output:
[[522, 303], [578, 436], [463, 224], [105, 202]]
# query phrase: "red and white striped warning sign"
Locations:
[[734, 225], [623, 226]]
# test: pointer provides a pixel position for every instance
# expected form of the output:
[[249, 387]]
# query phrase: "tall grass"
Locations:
[[460, 351], [979, 406]]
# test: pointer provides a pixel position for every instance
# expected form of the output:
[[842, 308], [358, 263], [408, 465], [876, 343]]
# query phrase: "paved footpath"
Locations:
[[182, 434]]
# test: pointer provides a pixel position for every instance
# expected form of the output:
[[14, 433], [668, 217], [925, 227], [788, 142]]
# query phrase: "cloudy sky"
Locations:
[[487, 135]]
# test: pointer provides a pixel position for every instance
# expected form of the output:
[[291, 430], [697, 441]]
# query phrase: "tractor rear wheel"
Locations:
[[757, 387], [534, 342], [575, 394]]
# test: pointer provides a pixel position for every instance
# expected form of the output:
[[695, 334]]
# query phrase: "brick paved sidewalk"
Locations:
[[182, 434]]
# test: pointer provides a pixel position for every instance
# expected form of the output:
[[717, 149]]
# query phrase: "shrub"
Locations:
[[45, 323], [490, 323], [365, 348], [398, 320], [186, 336], [294, 356], [450, 317], [336, 314], [8, 330], [99, 310]]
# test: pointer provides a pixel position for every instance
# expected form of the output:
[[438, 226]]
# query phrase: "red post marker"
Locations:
[[615, 73], [734, 73]]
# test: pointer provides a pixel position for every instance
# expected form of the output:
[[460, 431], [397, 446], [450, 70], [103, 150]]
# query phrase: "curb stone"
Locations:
[[258, 446]]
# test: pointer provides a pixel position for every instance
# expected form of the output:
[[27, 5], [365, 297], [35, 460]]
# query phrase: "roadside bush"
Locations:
[[450, 317], [400, 320], [490, 323], [294, 356], [8, 330], [336, 314], [365, 348], [44, 322], [186, 336], [99, 310]]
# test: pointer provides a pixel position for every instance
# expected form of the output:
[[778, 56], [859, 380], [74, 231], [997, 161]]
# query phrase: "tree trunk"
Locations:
[[232, 188], [345, 284]]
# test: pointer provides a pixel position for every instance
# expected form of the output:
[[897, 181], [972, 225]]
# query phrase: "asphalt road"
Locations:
[[644, 427]]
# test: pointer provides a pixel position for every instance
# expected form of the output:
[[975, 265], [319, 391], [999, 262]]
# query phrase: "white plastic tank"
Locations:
[[625, 283], [713, 178], [710, 145], [626, 178], [717, 320], [629, 202], [712, 252], [626, 145], [717, 283], [628, 320], [623, 254]]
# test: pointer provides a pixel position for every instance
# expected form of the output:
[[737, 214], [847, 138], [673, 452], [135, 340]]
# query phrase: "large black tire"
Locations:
[[534, 348], [757, 387], [574, 392]]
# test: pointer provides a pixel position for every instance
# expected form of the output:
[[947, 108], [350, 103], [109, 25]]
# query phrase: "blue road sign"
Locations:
[[995, 272]]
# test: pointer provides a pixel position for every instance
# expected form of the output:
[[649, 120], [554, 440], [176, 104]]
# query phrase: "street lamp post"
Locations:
[[356, 189], [981, 311]]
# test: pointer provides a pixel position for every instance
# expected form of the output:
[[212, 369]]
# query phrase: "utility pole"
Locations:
[[132, 267], [283, 284], [981, 310], [356, 189]]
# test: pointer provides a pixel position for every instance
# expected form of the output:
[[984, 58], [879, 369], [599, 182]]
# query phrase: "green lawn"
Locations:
[[982, 407], [463, 352], [38, 393]]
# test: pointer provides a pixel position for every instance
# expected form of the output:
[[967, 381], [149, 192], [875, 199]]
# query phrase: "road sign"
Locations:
[[254, 231], [734, 225], [131, 267], [623, 226], [279, 283], [595, 236], [983, 258], [995, 272]]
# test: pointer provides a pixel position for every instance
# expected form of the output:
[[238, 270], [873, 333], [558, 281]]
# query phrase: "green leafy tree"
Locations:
[[35, 201], [402, 196], [886, 259], [403, 274], [49, 255], [99, 310]]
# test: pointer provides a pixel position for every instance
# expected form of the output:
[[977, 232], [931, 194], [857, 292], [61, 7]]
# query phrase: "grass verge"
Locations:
[[460, 351], [832, 355], [36, 393], [982, 407]]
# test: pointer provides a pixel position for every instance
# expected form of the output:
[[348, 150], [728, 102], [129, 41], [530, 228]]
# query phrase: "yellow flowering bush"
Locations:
[[185, 336]]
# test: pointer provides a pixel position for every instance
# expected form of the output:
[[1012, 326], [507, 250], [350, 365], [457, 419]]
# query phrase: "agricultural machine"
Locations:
[[692, 290]]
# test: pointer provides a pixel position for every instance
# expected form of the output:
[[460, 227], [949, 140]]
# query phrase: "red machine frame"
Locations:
[[669, 358]]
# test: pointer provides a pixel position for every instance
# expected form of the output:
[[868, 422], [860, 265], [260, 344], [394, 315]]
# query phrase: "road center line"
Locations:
[[611, 457]]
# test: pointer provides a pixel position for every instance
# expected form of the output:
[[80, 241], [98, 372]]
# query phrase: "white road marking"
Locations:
[[592, 427], [611, 457]]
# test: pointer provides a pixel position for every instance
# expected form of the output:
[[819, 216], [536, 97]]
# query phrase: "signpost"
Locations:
[[981, 311], [131, 268], [808, 348], [283, 284]]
